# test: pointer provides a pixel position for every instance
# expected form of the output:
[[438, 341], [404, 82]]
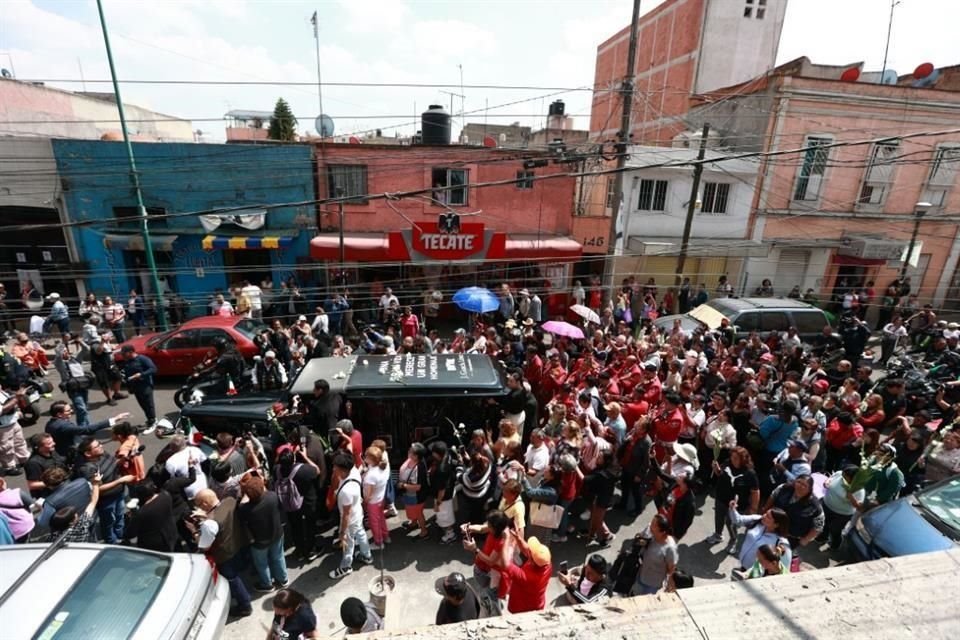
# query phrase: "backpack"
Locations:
[[625, 568], [287, 491]]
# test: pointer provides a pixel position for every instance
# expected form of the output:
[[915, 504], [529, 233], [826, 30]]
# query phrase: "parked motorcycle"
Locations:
[[197, 387]]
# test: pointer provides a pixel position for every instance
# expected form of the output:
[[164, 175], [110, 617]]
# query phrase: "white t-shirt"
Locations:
[[376, 478], [537, 458], [255, 294], [177, 467], [348, 495]]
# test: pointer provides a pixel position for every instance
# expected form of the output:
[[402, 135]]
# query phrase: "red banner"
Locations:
[[429, 241]]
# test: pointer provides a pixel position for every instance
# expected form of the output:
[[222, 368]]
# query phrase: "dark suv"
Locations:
[[753, 314]]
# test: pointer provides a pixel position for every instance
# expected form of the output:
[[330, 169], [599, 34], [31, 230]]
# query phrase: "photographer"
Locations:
[[443, 478], [105, 370], [75, 382]]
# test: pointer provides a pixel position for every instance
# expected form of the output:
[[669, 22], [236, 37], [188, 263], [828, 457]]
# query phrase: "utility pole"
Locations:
[[920, 210], [626, 90], [886, 49], [342, 276], [692, 204], [135, 177]]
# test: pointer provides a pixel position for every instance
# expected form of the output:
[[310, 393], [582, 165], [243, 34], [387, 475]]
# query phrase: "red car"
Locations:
[[178, 351]]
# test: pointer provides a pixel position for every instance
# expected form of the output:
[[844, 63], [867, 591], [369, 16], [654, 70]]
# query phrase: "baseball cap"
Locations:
[[539, 552], [799, 444], [454, 584]]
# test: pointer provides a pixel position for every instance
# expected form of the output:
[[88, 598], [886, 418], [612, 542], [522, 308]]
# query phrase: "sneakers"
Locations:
[[120, 395], [409, 526], [448, 538], [150, 428], [391, 512], [376, 547], [340, 572], [715, 538], [558, 538], [367, 560], [603, 543], [13, 471], [112, 402], [585, 516], [281, 585], [262, 588], [310, 557], [237, 612]]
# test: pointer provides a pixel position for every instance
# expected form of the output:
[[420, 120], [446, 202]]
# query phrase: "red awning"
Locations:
[[854, 261], [372, 247], [519, 247], [392, 247]]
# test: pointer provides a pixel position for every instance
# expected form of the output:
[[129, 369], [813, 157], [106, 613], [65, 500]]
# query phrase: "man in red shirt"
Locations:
[[347, 432], [529, 581], [533, 368], [634, 408], [553, 378], [651, 385], [609, 389], [630, 375], [666, 427]]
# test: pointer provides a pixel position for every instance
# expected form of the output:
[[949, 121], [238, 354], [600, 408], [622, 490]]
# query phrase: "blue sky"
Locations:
[[519, 42]]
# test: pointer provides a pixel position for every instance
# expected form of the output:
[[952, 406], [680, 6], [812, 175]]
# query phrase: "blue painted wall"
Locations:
[[183, 177]]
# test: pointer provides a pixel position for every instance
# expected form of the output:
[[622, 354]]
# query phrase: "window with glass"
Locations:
[[111, 597], [457, 179], [525, 179], [812, 169], [879, 174], [652, 195], [348, 181], [715, 197]]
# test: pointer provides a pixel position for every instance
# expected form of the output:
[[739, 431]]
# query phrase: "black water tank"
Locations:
[[556, 108], [436, 125]]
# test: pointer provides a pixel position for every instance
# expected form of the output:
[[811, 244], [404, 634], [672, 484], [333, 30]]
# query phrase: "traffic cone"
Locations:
[[231, 390]]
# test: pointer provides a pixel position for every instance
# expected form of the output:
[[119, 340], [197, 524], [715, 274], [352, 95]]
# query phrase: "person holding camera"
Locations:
[[93, 462], [585, 584]]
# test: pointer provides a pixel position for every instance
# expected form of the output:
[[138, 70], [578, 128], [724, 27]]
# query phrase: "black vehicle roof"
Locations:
[[407, 375]]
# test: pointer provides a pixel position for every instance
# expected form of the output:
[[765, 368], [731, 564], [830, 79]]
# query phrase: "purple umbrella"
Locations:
[[564, 329]]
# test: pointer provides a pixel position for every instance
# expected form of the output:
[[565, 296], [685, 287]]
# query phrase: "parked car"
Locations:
[[752, 314], [928, 520], [83, 591], [178, 351]]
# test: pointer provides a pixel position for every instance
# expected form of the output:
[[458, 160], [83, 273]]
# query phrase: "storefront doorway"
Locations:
[[247, 264]]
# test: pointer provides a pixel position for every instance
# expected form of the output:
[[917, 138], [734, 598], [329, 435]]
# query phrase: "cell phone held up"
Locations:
[[563, 568]]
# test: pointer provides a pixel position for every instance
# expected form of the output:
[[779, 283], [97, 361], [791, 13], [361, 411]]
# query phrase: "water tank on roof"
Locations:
[[556, 108], [436, 125]]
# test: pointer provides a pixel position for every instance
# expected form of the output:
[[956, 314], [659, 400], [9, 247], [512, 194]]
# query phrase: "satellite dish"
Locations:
[[927, 81], [324, 125], [6, 73], [489, 141], [922, 71], [850, 75], [889, 77], [355, 140]]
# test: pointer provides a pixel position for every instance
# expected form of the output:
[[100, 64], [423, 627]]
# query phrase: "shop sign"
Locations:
[[430, 241]]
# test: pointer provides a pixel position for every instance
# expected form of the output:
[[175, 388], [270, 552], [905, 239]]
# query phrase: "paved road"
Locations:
[[415, 565]]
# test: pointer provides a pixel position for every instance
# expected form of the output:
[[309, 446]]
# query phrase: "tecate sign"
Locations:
[[431, 242]]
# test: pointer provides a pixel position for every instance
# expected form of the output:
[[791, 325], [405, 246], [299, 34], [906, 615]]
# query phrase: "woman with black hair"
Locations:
[[153, 524], [477, 485], [489, 559], [660, 557], [299, 469], [803, 508], [293, 617], [412, 485]]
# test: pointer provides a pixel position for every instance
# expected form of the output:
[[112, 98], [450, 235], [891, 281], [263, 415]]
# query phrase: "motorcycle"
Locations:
[[29, 403], [199, 386]]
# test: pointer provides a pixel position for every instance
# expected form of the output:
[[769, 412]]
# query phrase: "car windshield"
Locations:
[[110, 598], [943, 502], [249, 328]]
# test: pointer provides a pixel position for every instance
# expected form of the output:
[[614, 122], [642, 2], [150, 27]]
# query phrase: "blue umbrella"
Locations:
[[476, 300]]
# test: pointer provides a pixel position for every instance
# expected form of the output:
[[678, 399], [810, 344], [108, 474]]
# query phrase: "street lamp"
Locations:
[[919, 210]]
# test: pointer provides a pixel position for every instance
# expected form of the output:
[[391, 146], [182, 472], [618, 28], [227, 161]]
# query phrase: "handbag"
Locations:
[[546, 516]]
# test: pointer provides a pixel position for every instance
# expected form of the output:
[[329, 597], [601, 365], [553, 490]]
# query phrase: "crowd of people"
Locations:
[[627, 418]]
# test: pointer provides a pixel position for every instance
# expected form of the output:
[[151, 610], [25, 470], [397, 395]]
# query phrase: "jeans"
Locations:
[[79, 400], [835, 522], [562, 529], [118, 335], [628, 487], [144, 395], [231, 570], [110, 513], [721, 519], [641, 589], [356, 537], [270, 563]]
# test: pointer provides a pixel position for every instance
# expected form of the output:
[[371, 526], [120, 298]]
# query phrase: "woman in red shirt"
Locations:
[[489, 561], [873, 417], [409, 324], [843, 437]]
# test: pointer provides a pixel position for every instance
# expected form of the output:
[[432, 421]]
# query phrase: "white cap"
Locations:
[[302, 319], [53, 296], [270, 354]]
